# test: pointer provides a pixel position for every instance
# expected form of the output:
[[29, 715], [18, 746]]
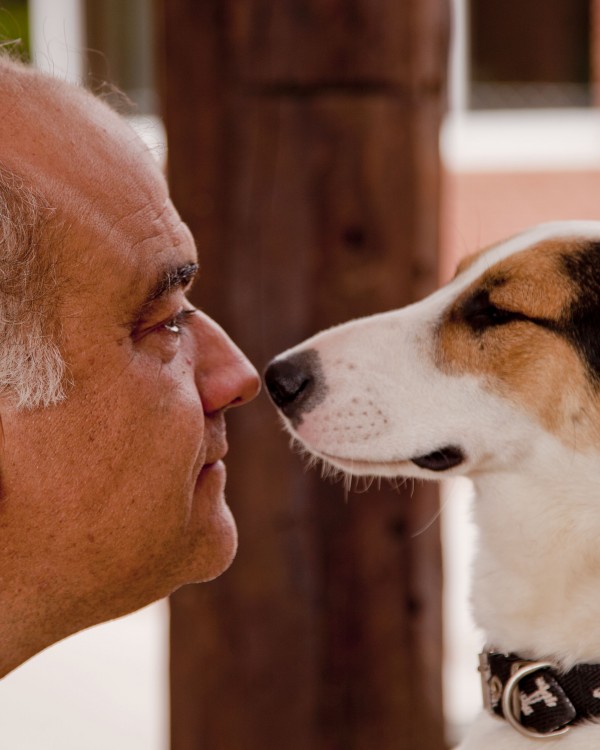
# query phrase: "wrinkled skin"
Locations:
[[115, 496]]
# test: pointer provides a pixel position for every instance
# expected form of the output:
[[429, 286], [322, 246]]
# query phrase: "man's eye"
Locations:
[[176, 324]]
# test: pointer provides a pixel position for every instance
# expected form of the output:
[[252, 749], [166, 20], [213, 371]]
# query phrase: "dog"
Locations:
[[496, 376]]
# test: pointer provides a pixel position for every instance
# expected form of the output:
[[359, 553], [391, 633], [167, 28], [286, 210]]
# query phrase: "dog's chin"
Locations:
[[362, 468], [439, 461]]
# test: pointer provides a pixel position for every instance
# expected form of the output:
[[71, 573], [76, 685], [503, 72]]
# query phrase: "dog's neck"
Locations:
[[536, 589]]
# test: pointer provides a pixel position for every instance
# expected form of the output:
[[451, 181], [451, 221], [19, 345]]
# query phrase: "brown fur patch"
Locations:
[[524, 361], [535, 284]]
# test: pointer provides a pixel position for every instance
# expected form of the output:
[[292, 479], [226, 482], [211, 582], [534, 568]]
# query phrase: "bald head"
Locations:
[[68, 144], [60, 150]]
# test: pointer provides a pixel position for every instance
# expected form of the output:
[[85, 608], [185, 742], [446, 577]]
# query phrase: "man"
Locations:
[[112, 386]]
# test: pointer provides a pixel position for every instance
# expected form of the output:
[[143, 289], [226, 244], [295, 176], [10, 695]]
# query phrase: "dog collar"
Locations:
[[537, 698]]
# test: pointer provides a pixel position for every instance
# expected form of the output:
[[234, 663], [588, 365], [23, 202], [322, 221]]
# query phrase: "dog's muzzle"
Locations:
[[296, 384]]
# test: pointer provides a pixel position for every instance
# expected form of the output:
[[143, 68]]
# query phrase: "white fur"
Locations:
[[536, 587]]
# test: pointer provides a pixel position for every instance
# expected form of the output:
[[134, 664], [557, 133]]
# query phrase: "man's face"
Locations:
[[119, 489]]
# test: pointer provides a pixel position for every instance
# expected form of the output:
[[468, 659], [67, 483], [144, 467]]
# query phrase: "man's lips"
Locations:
[[214, 457], [215, 467], [214, 447], [214, 454], [211, 461]]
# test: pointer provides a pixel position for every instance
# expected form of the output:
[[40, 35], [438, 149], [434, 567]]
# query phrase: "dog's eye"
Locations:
[[479, 313]]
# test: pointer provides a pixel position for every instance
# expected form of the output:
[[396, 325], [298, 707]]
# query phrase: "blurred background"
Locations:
[[333, 158]]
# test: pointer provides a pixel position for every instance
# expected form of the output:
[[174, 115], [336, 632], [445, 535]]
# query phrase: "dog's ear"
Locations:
[[581, 320]]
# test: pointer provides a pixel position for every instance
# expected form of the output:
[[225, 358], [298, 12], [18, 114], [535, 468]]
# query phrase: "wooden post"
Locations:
[[303, 155], [595, 51]]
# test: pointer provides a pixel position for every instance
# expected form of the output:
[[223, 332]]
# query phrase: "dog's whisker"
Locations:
[[347, 486], [432, 520]]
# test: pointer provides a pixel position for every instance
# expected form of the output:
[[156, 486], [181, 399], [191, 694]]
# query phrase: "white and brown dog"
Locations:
[[496, 377]]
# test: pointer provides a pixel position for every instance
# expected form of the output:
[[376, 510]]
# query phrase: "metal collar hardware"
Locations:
[[539, 699], [511, 702]]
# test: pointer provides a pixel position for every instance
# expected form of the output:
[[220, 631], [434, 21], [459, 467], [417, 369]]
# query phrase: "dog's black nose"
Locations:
[[295, 383], [287, 380]]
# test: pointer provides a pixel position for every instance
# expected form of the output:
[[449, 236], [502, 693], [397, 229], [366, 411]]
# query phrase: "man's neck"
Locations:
[[24, 631]]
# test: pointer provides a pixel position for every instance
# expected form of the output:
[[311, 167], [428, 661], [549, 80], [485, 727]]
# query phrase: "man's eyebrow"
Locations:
[[171, 278]]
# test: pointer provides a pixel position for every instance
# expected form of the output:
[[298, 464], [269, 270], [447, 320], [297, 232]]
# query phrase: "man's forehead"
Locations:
[[142, 271], [149, 226], [71, 146], [124, 288], [162, 259], [122, 234]]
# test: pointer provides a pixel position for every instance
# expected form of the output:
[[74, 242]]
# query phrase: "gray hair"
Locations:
[[32, 368]]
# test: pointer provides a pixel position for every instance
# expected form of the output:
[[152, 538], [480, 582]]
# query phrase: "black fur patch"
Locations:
[[581, 325], [479, 313], [580, 322]]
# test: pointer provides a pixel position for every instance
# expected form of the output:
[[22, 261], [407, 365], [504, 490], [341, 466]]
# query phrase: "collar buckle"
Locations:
[[536, 698], [512, 700]]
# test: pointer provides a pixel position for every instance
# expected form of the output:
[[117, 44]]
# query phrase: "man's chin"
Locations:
[[213, 533], [223, 550], [214, 547]]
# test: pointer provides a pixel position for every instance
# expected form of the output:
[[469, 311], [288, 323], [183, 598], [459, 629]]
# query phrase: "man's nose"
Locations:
[[224, 375]]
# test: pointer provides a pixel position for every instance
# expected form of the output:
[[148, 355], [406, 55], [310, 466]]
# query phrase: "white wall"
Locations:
[[102, 689], [56, 31]]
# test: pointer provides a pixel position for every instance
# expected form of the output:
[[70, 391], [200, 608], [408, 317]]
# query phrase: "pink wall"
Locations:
[[479, 209]]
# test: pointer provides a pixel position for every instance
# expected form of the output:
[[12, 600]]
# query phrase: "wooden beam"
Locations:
[[303, 155]]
